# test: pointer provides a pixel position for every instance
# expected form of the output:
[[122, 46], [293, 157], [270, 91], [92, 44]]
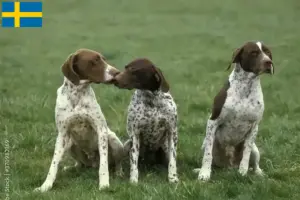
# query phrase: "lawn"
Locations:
[[192, 42]]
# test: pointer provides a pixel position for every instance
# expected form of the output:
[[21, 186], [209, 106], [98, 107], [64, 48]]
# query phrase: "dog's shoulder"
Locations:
[[167, 106], [62, 100], [219, 101]]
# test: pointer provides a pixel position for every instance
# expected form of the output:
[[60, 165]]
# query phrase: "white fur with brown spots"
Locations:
[[151, 125], [152, 116], [238, 109], [81, 125]]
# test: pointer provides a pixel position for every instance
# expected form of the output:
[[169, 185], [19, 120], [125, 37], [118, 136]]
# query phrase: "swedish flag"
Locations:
[[22, 14]]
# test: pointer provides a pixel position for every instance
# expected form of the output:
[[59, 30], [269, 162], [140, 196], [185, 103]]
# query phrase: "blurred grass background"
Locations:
[[192, 42]]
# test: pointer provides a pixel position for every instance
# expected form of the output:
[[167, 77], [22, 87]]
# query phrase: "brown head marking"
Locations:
[[253, 57], [142, 74], [87, 64]]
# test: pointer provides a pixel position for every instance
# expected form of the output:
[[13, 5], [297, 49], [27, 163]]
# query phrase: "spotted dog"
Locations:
[[152, 116], [237, 110], [81, 125]]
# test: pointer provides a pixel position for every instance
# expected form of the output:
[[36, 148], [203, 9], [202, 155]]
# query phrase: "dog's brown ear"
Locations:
[[68, 70], [235, 57], [164, 86]]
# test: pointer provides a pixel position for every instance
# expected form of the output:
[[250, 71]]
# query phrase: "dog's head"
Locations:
[[141, 74], [254, 57], [89, 65]]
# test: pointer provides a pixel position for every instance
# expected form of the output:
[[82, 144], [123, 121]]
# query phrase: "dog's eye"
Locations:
[[97, 59], [268, 53], [254, 53], [92, 63], [128, 67]]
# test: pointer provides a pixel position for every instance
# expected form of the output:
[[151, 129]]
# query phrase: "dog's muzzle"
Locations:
[[268, 67]]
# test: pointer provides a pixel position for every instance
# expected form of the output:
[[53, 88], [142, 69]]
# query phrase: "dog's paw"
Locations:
[[197, 170], [103, 186], [43, 188], [204, 174], [243, 171], [67, 168], [71, 167], [133, 180], [259, 172], [38, 189], [120, 173], [173, 179]]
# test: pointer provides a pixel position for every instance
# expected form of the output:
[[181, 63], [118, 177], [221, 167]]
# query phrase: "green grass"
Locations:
[[192, 42]]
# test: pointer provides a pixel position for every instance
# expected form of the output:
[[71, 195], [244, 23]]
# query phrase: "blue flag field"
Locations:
[[22, 14]]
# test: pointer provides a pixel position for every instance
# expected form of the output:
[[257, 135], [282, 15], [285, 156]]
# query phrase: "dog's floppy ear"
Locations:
[[68, 70], [235, 57], [164, 86]]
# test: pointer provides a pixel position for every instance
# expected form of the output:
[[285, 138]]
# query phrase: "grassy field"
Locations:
[[192, 42]]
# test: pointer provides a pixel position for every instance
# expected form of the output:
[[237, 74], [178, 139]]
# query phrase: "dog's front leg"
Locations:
[[63, 143], [103, 153], [248, 145], [172, 169], [205, 171], [134, 157]]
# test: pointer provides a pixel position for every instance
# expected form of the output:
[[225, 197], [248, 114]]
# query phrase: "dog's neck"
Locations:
[[83, 85], [241, 75], [244, 82], [147, 96], [75, 92]]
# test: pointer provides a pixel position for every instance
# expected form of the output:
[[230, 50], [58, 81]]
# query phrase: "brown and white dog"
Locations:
[[237, 110], [152, 117], [81, 125]]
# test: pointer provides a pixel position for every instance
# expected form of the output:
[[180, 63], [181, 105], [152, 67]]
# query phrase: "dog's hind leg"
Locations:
[[254, 160], [117, 152], [80, 158]]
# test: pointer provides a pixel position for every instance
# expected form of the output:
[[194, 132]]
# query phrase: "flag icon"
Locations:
[[22, 14]]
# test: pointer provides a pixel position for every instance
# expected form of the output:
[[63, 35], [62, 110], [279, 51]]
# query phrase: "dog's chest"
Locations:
[[153, 131], [248, 106], [152, 120], [239, 115], [77, 114]]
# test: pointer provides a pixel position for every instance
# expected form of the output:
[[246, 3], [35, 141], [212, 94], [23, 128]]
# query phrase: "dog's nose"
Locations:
[[268, 63], [114, 72]]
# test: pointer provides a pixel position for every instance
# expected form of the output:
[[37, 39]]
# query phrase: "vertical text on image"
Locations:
[[6, 167]]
